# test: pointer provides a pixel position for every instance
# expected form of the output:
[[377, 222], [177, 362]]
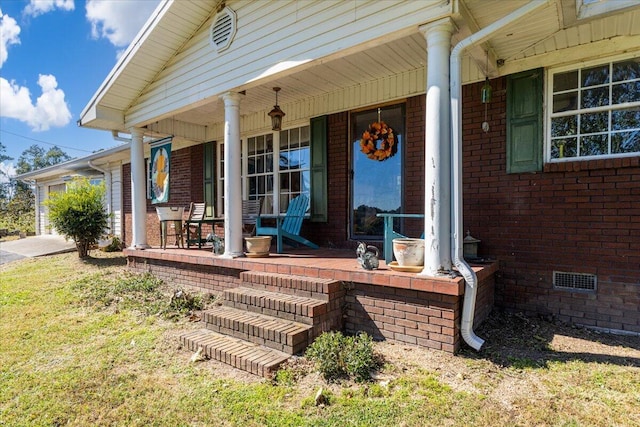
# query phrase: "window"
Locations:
[[259, 175], [294, 165], [276, 183], [594, 111]]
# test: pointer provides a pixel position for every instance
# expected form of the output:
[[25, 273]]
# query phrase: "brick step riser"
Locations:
[[286, 315], [275, 306], [290, 343], [321, 289], [266, 365]]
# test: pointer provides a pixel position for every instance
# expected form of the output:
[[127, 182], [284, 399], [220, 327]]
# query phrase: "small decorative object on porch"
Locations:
[[470, 246], [217, 242], [485, 96], [378, 132], [409, 252], [258, 246], [367, 256]]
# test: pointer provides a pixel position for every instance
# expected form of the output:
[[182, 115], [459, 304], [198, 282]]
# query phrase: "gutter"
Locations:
[[455, 87], [116, 136]]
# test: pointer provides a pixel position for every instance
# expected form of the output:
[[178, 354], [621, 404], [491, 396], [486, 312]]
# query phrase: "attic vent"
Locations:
[[574, 281], [223, 29]]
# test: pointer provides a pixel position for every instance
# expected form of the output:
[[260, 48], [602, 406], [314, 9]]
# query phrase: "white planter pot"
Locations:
[[258, 244], [409, 252]]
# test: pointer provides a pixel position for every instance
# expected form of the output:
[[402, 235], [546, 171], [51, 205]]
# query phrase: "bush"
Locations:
[[339, 356], [79, 214]]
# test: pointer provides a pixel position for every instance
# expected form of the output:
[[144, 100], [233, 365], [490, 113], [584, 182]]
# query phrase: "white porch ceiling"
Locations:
[[548, 30]]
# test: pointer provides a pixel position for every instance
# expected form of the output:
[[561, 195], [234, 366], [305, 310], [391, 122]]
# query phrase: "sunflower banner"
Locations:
[[160, 166]]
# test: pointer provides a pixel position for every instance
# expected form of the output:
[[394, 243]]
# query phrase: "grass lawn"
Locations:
[[84, 343]]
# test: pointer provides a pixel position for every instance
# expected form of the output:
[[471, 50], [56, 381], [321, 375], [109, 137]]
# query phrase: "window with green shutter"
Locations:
[[319, 210], [524, 122], [209, 174]]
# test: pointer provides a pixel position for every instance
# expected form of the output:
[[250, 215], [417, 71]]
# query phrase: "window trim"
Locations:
[[548, 106], [275, 173]]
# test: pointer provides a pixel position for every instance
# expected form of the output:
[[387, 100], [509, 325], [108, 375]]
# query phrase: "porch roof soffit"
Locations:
[[140, 70], [127, 95], [168, 28]]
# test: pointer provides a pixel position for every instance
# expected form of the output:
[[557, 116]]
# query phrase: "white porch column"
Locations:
[[232, 177], [437, 223], [138, 193]]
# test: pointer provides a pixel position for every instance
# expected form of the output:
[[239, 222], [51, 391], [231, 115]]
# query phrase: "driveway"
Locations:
[[34, 246]]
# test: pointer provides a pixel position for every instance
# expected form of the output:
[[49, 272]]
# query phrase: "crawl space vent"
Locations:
[[574, 281], [223, 29]]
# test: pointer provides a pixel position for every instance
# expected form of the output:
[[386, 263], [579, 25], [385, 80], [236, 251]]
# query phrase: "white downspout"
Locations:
[[471, 280], [107, 184]]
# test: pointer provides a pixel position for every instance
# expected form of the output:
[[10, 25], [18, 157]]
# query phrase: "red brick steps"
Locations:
[[283, 335], [267, 319], [283, 306], [240, 354]]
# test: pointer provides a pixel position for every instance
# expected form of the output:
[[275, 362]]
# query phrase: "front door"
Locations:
[[378, 137]]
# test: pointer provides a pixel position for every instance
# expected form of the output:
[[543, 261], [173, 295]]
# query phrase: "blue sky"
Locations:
[[53, 56]]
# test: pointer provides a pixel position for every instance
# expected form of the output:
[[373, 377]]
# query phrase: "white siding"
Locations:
[[116, 199], [274, 37]]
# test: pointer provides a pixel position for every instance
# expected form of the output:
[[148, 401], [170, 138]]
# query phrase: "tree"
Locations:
[[79, 214], [17, 201], [35, 157], [3, 156], [5, 186]]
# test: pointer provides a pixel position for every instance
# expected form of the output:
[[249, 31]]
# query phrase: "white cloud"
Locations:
[[118, 21], [40, 7], [9, 31], [49, 110], [9, 171]]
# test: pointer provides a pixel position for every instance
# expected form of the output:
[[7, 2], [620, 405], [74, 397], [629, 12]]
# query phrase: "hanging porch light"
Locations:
[[276, 114]]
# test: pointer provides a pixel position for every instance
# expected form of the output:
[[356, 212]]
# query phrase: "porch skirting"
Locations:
[[387, 304]]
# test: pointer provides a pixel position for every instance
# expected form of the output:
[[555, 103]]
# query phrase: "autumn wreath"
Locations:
[[378, 132]]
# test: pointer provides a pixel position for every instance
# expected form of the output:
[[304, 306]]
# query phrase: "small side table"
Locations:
[[177, 232]]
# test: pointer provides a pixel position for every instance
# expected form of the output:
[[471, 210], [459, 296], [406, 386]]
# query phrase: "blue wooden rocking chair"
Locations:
[[288, 226]]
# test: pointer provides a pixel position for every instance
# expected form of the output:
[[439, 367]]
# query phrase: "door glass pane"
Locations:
[[377, 147]]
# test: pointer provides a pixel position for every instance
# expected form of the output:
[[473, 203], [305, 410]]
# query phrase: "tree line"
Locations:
[[17, 199]]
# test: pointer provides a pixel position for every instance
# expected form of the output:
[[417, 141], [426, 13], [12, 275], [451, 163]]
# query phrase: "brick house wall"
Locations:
[[579, 217], [186, 185]]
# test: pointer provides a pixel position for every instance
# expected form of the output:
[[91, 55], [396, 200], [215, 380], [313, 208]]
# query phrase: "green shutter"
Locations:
[[319, 210], [209, 174], [524, 122]]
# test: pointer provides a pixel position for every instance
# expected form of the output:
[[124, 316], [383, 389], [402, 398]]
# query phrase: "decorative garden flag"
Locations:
[[160, 162]]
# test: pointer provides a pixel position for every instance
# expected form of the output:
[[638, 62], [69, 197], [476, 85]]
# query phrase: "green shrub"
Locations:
[[114, 246], [336, 356], [358, 356], [79, 214]]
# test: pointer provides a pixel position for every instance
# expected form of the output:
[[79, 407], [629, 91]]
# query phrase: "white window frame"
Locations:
[[549, 114], [275, 195]]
